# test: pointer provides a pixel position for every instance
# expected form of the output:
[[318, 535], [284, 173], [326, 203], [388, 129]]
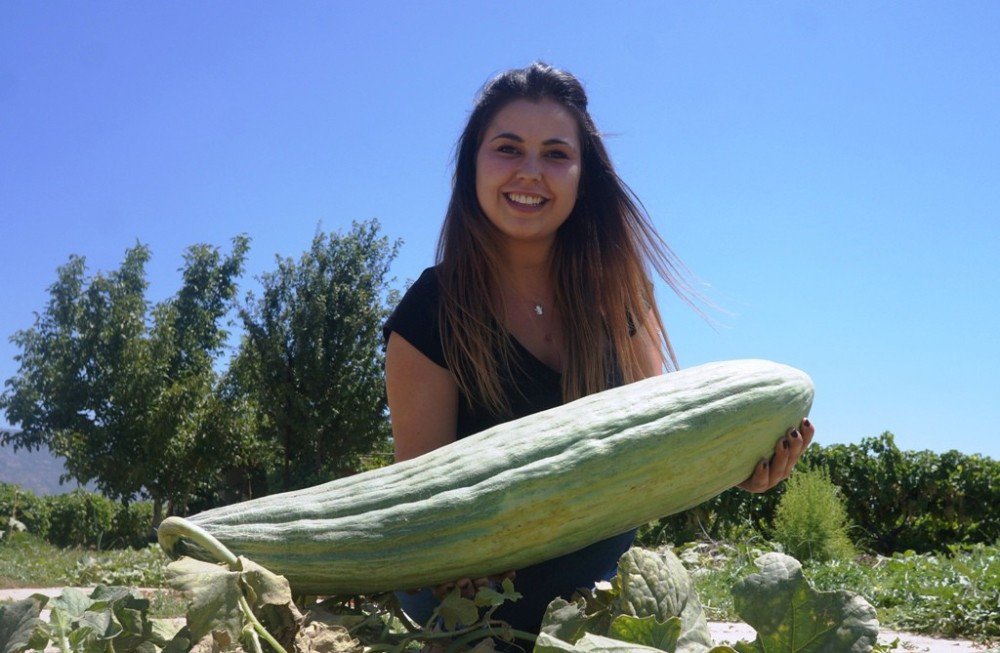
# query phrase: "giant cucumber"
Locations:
[[521, 492]]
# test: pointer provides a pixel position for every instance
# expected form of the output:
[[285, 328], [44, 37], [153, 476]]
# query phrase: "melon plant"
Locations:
[[519, 493]]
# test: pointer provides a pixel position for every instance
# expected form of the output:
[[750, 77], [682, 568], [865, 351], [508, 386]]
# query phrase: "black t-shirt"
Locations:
[[532, 387]]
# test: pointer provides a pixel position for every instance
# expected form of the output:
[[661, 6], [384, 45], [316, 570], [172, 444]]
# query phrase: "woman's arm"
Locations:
[[423, 400]]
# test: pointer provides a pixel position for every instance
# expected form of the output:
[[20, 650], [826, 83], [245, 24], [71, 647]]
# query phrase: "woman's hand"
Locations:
[[769, 473], [469, 587]]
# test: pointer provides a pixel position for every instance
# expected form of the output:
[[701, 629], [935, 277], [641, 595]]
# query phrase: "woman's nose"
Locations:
[[530, 168]]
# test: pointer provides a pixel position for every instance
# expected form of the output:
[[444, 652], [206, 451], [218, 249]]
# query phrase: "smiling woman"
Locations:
[[541, 295]]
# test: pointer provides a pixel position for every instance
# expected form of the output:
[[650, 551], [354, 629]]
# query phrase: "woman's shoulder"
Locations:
[[426, 284], [415, 318]]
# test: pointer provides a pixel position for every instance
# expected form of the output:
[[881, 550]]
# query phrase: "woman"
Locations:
[[540, 295]]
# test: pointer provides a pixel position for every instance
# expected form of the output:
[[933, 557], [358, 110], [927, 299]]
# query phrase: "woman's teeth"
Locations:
[[528, 200]]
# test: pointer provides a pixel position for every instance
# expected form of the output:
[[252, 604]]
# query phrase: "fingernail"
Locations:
[[795, 433], [806, 422]]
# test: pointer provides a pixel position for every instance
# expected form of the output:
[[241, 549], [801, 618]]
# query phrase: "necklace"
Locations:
[[539, 310]]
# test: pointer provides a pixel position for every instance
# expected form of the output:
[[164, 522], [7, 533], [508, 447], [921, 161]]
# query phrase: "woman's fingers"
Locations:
[[808, 430], [787, 452], [464, 585], [468, 587], [758, 481]]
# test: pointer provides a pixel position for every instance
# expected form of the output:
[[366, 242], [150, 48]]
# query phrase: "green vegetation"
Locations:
[[950, 595], [310, 369], [26, 560], [896, 500], [105, 375], [78, 518], [811, 521]]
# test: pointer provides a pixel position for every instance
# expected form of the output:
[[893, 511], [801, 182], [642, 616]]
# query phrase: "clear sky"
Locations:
[[830, 171]]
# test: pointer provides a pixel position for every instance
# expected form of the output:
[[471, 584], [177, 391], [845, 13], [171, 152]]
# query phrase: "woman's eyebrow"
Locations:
[[514, 137]]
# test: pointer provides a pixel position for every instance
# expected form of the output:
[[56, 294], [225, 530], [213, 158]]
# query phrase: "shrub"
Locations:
[[80, 518], [811, 521], [917, 500], [132, 526], [24, 506]]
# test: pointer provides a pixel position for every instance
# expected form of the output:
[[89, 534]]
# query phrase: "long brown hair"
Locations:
[[600, 261]]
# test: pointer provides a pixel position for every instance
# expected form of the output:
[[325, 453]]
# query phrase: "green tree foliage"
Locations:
[[312, 358], [811, 519], [122, 390]]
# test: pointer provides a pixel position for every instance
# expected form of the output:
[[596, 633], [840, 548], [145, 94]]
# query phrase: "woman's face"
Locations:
[[528, 170]]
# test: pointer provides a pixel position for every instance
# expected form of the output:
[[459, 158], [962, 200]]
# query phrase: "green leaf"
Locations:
[[268, 588], [791, 616], [565, 621], [455, 610], [72, 603], [657, 585], [102, 624], [61, 628], [19, 623], [648, 631], [163, 630], [78, 637], [214, 593], [488, 597]]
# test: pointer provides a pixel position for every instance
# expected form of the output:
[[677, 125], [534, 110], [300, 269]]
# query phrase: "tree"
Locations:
[[312, 357], [122, 391]]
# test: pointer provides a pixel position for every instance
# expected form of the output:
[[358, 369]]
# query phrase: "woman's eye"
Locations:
[[507, 149], [558, 154]]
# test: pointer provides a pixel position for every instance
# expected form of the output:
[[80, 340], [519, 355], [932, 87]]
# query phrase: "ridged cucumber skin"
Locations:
[[521, 492]]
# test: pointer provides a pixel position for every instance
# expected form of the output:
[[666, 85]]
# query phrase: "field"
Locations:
[[953, 595]]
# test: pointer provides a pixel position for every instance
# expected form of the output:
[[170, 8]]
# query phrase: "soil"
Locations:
[[728, 633], [722, 633]]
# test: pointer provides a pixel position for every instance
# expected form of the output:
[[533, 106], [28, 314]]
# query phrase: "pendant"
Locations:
[[538, 309]]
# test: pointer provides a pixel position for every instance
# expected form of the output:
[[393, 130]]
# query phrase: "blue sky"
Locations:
[[828, 171]]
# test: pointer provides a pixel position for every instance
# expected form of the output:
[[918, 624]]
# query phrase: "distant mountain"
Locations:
[[37, 471]]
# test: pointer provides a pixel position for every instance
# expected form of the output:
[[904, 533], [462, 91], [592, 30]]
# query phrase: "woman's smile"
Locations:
[[525, 201], [528, 170]]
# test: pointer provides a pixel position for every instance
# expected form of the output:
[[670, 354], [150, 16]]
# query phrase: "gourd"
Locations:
[[521, 492]]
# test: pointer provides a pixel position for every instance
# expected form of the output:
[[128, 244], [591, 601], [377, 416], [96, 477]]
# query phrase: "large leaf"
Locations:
[[648, 631], [215, 593], [270, 596], [790, 616], [268, 588], [565, 621], [658, 585], [72, 603], [19, 622]]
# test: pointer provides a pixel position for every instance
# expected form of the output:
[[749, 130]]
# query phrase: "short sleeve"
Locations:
[[415, 318]]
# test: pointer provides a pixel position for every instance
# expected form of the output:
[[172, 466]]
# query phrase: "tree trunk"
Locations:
[[157, 512]]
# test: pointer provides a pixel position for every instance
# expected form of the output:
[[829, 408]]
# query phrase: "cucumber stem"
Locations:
[[258, 626], [182, 527]]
